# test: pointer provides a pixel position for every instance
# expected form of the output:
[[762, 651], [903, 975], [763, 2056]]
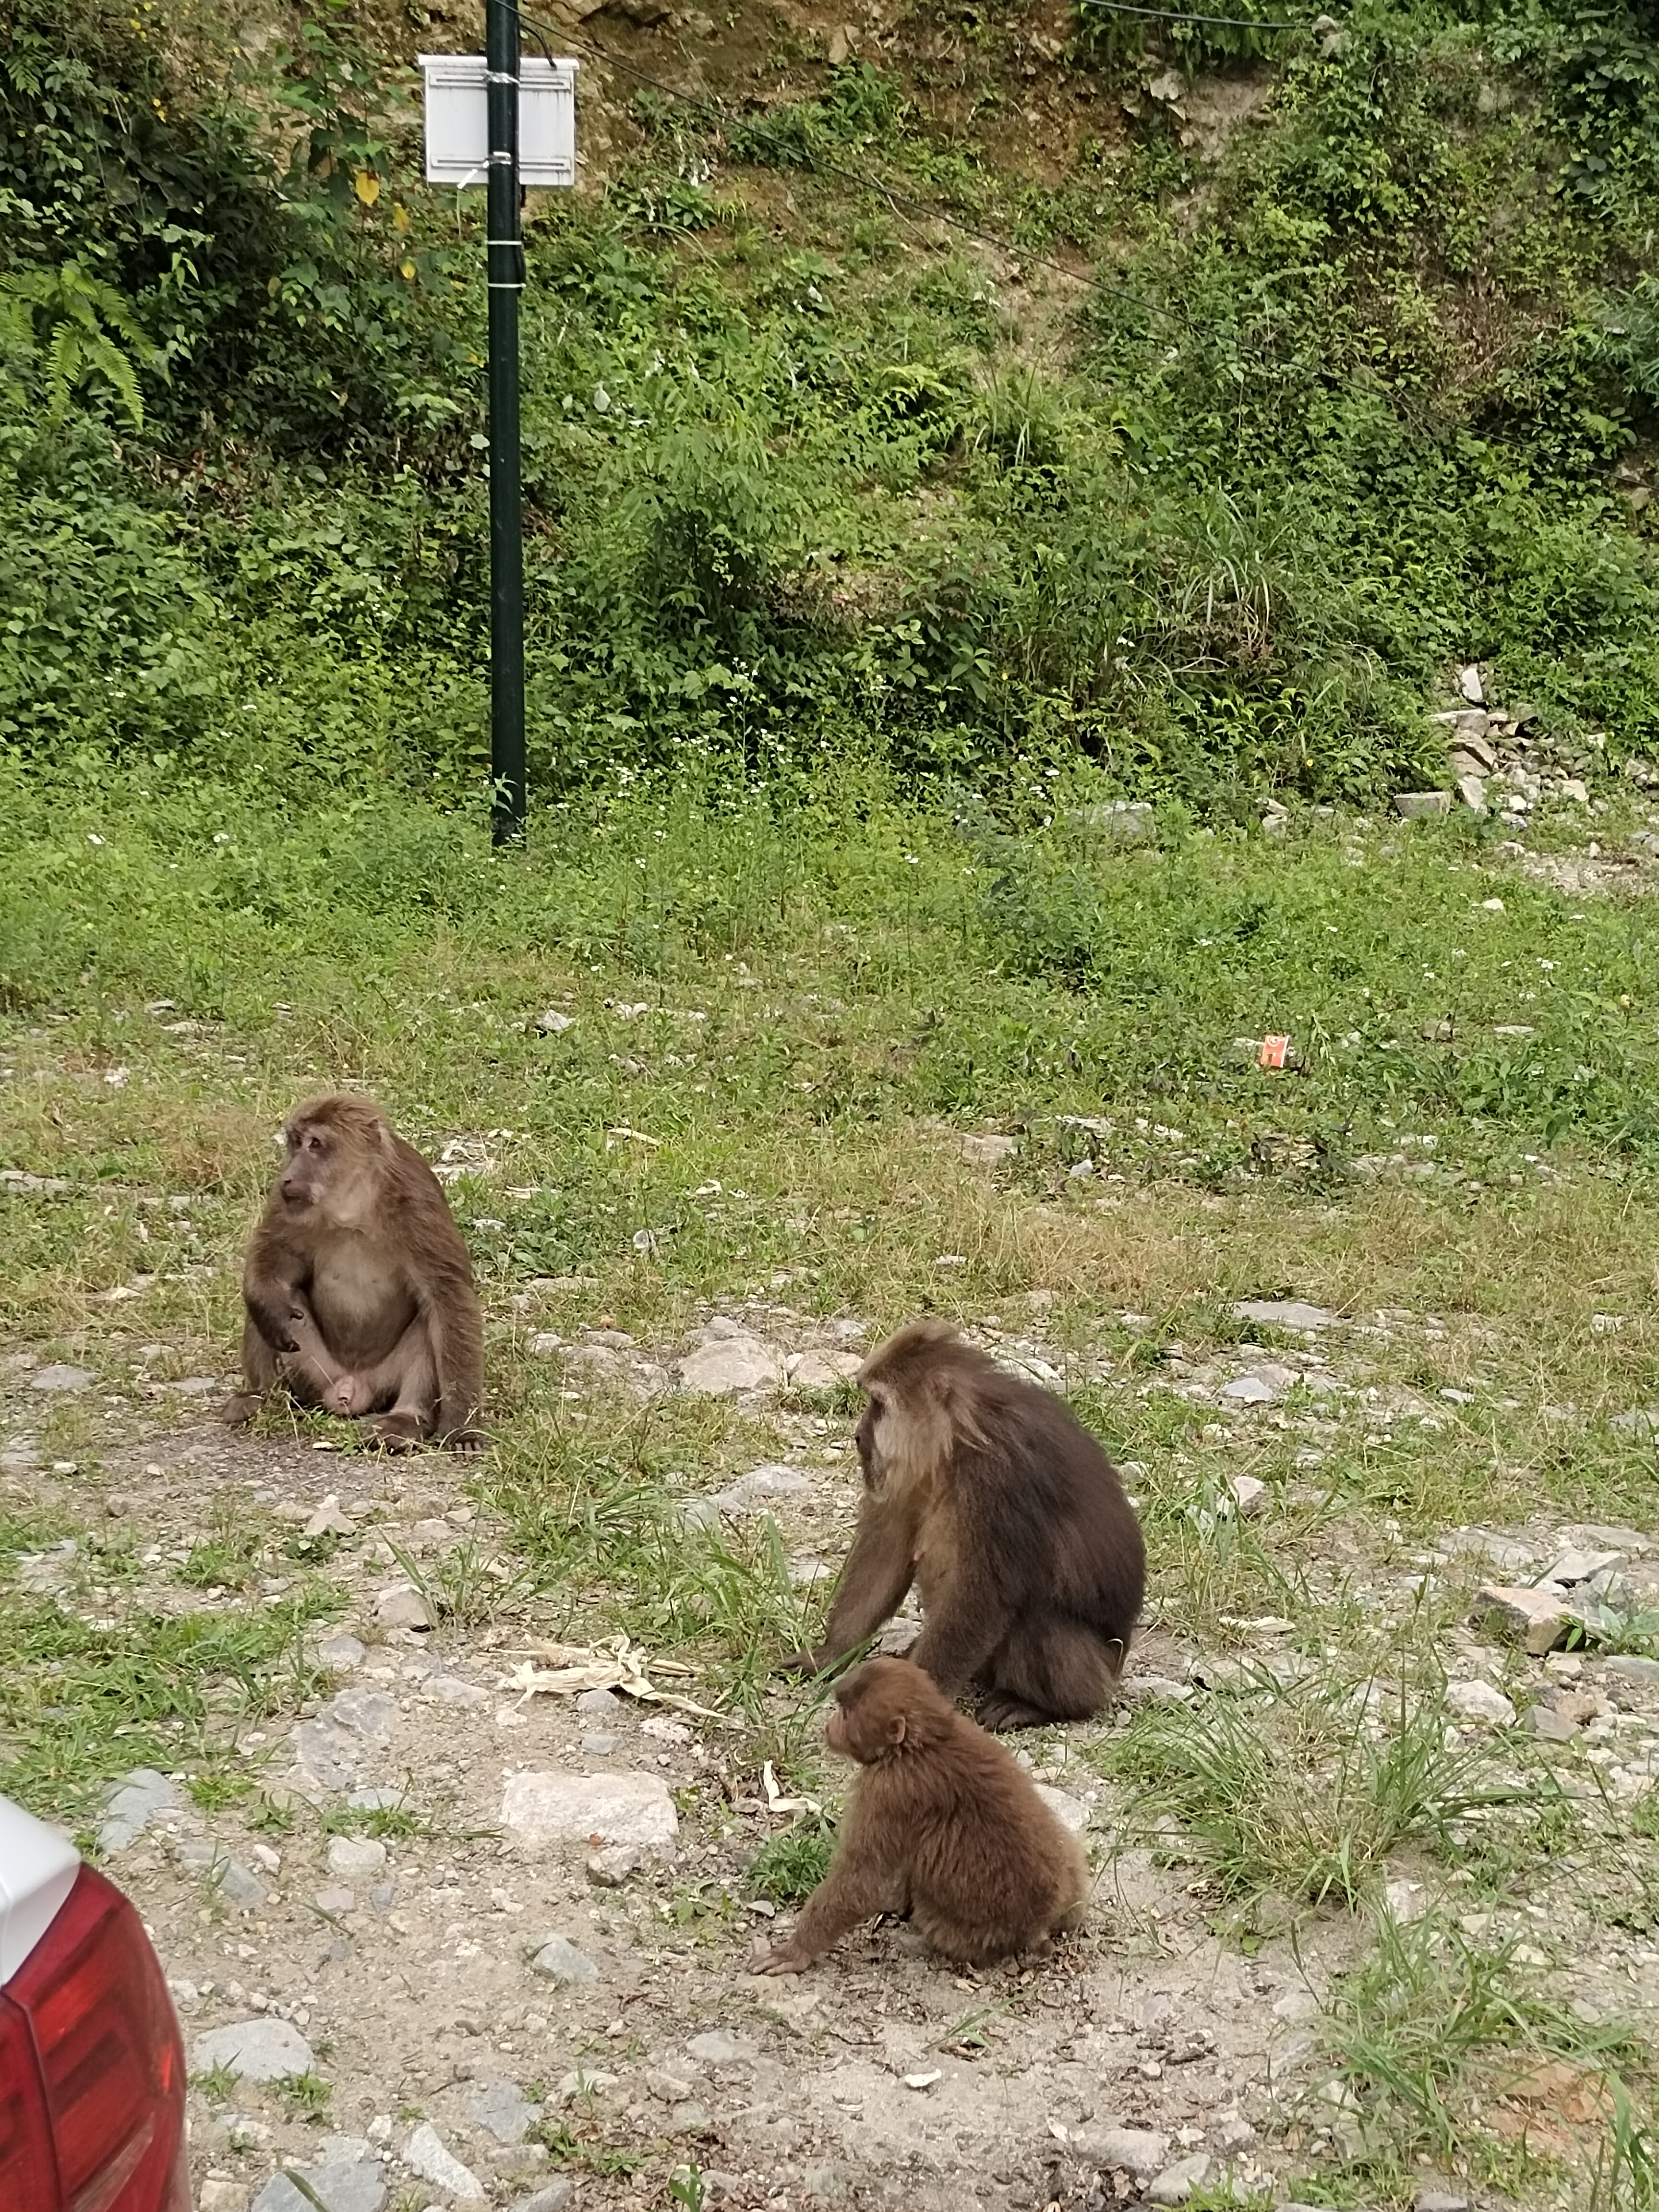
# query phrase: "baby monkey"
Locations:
[[943, 1824]]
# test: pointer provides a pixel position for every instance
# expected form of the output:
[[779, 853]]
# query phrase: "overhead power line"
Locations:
[[1220, 22]]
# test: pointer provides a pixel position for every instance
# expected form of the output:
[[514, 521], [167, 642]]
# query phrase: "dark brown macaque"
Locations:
[[989, 1493], [942, 1824], [358, 1288]]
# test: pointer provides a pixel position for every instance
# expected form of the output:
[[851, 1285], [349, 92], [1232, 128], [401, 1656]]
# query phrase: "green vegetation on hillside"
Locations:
[[1362, 388]]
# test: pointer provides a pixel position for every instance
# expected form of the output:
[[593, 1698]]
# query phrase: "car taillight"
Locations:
[[28, 2167], [97, 2050]]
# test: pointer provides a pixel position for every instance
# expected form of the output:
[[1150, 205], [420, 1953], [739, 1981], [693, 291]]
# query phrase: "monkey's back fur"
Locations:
[[1014, 1522], [988, 1870]]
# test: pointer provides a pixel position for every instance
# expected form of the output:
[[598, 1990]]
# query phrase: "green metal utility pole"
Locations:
[[505, 251]]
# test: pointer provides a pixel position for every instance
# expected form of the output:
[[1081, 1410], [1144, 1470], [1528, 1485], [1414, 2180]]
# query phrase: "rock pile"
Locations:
[[1497, 758]]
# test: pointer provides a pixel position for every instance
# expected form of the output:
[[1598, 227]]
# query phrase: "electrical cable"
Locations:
[[1221, 23], [864, 181]]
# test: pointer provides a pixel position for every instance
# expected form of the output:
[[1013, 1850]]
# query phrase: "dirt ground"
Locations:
[[405, 1962]]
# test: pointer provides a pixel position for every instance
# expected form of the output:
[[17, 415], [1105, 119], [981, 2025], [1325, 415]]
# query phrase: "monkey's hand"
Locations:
[[787, 1961], [803, 1663]]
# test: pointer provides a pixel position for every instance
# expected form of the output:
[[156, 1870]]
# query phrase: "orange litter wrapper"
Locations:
[[1274, 1050]]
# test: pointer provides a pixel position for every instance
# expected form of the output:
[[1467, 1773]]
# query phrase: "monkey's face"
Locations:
[[835, 1733], [310, 1165]]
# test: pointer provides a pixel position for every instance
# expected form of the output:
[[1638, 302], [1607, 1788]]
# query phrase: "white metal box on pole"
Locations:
[[456, 125]]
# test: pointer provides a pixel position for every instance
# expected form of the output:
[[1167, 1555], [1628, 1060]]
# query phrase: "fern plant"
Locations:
[[76, 327]]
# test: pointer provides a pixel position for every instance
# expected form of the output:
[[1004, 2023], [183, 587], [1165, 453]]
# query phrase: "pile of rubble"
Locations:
[[1499, 759]]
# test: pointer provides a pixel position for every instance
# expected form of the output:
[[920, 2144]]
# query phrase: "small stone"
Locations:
[[615, 1865], [988, 1152], [1176, 2182], [1533, 1618], [541, 1809], [717, 2049], [724, 1364], [1439, 2198], [747, 1495], [425, 2154], [347, 2186], [584, 2082], [823, 1370], [356, 1858], [1480, 1701], [217, 2194], [1578, 1567], [254, 2049], [598, 1745], [1406, 1900], [1283, 1313], [336, 1902], [1641, 1673], [1471, 735], [552, 1023], [1575, 788], [59, 1377], [238, 1886], [1640, 1421], [1550, 1726], [1472, 793], [1422, 805], [668, 2087], [1150, 1689], [370, 1714], [560, 1961], [557, 2196], [502, 2110], [1469, 683], [1071, 1812], [598, 1701], [686, 2120], [402, 1607], [1233, 2134], [455, 1690], [383, 1896], [823, 2184], [133, 1804], [329, 1521], [328, 1756], [1142, 2152], [339, 1654], [1248, 1390], [1250, 1494]]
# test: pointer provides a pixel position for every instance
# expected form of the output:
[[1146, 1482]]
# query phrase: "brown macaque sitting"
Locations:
[[359, 1289], [989, 1493], [944, 1823]]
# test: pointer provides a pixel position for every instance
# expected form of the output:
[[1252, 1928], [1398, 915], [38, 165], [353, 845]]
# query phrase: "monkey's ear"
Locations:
[[896, 1729]]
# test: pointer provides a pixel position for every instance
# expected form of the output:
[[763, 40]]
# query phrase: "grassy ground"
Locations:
[[783, 1025]]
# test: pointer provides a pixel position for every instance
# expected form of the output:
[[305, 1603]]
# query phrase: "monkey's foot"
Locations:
[[998, 1712], [782, 1962], [394, 1433], [801, 1663], [467, 1440], [236, 1413]]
